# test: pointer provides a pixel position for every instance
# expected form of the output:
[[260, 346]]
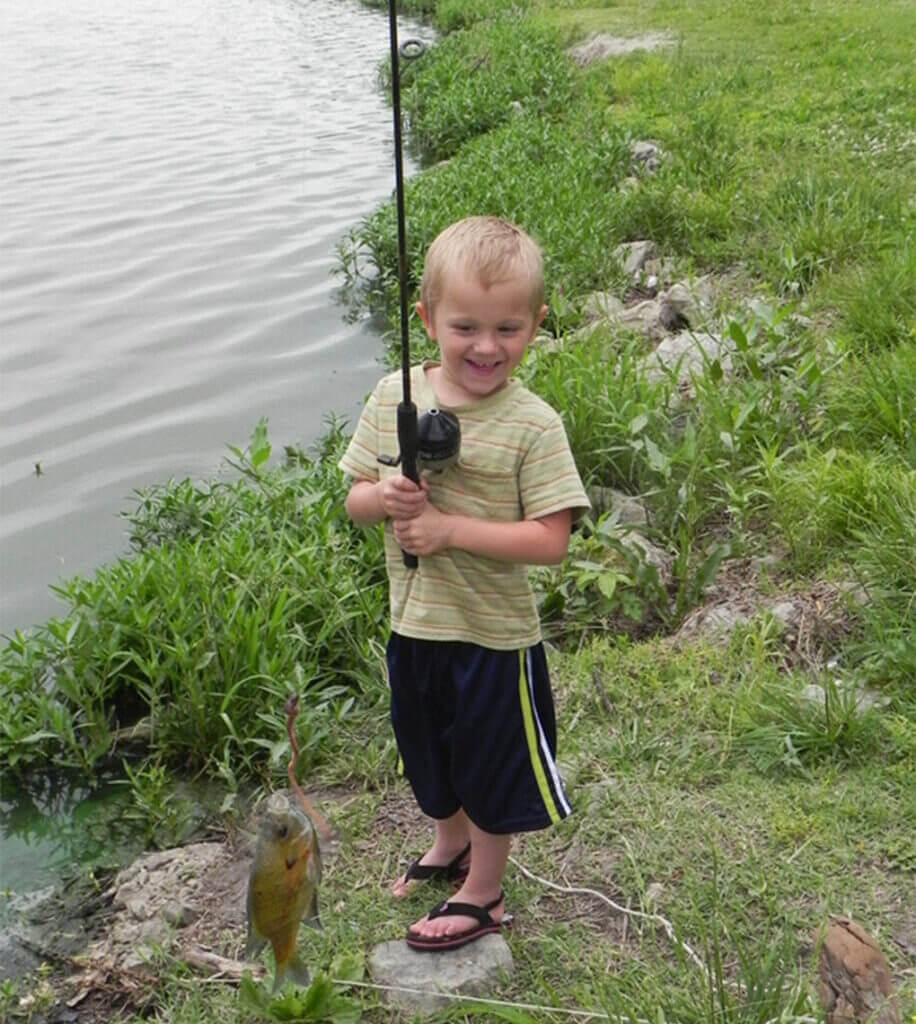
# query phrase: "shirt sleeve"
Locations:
[[548, 478], [360, 459]]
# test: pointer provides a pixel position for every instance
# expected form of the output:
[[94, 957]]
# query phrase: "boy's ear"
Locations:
[[540, 317], [427, 320]]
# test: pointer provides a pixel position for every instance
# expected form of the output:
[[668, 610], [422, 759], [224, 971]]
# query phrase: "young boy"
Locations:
[[470, 696]]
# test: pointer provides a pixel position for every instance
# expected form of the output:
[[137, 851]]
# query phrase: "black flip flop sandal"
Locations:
[[454, 871], [485, 926]]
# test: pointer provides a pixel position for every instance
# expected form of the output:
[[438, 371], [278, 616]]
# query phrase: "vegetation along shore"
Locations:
[[724, 194]]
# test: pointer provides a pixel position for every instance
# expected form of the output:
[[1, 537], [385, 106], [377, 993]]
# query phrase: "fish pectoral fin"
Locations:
[[291, 862], [254, 944], [311, 917]]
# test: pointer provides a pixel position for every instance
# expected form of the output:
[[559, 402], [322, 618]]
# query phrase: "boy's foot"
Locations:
[[456, 923], [456, 870]]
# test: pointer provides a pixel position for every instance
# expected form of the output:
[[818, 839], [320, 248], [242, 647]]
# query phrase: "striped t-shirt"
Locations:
[[514, 464]]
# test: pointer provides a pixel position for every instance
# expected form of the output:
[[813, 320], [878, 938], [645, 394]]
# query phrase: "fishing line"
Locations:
[[629, 911]]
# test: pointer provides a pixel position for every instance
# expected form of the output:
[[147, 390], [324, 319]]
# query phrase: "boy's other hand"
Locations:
[[401, 498], [424, 534]]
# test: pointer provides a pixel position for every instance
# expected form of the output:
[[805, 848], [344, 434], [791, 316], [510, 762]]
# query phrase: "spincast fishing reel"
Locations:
[[438, 442]]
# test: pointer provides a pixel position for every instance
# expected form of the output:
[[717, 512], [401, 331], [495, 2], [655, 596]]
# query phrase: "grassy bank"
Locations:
[[710, 788]]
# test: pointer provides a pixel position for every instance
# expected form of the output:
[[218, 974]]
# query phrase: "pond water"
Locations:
[[176, 176]]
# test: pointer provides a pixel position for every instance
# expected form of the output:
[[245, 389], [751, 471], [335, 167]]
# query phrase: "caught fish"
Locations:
[[283, 886]]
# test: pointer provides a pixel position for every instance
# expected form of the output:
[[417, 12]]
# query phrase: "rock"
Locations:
[[472, 970], [787, 612], [156, 894], [602, 305], [651, 553], [647, 156], [855, 981], [864, 698], [716, 619], [629, 510], [680, 308], [633, 255], [179, 914], [600, 47], [643, 317], [688, 354]]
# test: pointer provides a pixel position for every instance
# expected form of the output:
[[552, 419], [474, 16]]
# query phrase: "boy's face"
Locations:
[[482, 333]]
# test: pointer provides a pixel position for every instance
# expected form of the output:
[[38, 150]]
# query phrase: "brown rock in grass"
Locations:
[[855, 981]]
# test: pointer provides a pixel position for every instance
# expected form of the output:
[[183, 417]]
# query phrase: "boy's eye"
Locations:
[[509, 329]]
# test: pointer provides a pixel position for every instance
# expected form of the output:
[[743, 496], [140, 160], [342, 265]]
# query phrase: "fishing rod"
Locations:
[[433, 438], [407, 411]]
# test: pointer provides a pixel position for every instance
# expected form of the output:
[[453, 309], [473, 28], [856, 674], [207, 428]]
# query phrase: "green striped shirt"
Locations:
[[514, 464]]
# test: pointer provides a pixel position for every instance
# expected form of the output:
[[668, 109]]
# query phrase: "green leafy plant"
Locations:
[[157, 806], [604, 580], [323, 1002]]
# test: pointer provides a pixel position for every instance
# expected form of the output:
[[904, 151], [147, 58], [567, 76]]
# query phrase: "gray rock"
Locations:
[[602, 305], [787, 612], [688, 354], [179, 914], [473, 970], [863, 697], [601, 47], [718, 620], [643, 317], [647, 156], [633, 255], [680, 307], [651, 553], [629, 510]]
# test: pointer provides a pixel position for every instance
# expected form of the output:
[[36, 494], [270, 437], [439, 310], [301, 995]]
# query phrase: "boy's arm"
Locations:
[[541, 541]]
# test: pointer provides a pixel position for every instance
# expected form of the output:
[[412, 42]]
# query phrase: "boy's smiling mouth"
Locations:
[[479, 364]]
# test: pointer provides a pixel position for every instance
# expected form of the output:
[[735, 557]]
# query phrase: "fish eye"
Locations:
[[282, 831]]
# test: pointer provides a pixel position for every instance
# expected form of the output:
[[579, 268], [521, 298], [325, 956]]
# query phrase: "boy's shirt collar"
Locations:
[[430, 399]]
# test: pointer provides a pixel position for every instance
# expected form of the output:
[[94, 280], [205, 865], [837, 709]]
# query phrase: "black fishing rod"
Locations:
[[407, 411], [434, 437]]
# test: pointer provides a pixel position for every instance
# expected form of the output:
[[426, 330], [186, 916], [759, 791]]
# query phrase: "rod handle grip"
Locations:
[[407, 442]]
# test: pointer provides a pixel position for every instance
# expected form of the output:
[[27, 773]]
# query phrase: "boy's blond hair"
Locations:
[[488, 248]]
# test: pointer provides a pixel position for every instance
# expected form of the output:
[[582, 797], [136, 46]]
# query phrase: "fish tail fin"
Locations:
[[293, 970]]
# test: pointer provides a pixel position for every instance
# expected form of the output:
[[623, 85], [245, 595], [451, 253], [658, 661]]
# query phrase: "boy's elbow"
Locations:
[[556, 556]]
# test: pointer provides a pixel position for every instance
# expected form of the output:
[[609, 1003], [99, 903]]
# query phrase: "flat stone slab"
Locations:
[[473, 970], [601, 47]]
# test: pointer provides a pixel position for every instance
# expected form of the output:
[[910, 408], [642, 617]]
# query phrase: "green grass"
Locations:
[[710, 787]]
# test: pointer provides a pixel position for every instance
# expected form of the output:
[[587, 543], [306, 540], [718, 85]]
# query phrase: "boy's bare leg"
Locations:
[[489, 854], [451, 837]]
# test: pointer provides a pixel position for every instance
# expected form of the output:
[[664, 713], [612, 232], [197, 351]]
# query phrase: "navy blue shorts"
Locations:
[[476, 730]]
